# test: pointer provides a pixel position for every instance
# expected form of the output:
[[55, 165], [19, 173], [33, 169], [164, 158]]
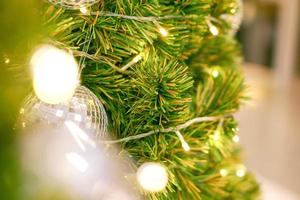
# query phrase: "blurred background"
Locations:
[[269, 124]]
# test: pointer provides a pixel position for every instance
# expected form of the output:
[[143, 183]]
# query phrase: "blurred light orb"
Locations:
[[241, 172], [223, 172], [152, 177], [82, 113], [55, 74], [214, 30], [236, 138], [73, 4], [215, 73]]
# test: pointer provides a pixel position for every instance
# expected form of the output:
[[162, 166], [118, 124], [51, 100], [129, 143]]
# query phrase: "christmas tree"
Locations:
[[167, 74]]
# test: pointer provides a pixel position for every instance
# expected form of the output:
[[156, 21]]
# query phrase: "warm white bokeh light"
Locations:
[[241, 172], [186, 146], [236, 138], [216, 135], [137, 58], [163, 32], [215, 73], [223, 172], [153, 177], [214, 30], [55, 74], [83, 10]]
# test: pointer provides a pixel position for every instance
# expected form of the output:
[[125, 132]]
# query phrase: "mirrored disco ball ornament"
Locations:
[[61, 154], [83, 111], [73, 4]]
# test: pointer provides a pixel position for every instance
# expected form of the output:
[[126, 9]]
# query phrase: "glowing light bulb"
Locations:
[[55, 74], [186, 146], [6, 60], [152, 177], [163, 31], [236, 138], [241, 172], [215, 73], [223, 172], [216, 135], [214, 30], [137, 58], [83, 10]]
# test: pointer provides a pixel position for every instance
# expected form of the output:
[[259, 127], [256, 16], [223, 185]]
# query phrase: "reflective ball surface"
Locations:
[[83, 110]]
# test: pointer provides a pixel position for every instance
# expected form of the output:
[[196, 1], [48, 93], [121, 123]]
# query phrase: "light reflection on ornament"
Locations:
[[83, 112], [152, 177], [77, 161], [79, 135]]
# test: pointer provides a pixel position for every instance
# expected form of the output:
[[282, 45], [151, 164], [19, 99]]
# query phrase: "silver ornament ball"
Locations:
[[84, 110]]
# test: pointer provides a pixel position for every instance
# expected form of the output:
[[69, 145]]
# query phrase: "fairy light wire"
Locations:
[[166, 130], [140, 18], [136, 59]]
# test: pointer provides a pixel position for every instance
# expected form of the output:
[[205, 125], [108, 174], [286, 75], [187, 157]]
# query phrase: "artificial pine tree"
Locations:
[[167, 74]]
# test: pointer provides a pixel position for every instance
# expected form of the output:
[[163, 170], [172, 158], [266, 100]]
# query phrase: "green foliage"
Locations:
[[172, 83]]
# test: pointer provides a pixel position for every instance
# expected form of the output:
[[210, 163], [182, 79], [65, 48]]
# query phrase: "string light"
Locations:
[[55, 74], [215, 73], [212, 28], [241, 173], [216, 135], [22, 111], [6, 60], [161, 29], [135, 60], [236, 138], [167, 130], [163, 32], [152, 177], [83, 10], [184, 144], [223, 172]]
